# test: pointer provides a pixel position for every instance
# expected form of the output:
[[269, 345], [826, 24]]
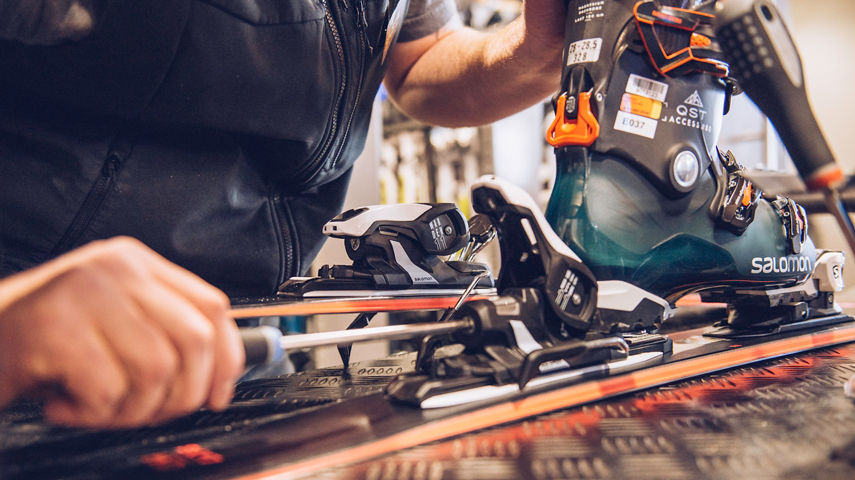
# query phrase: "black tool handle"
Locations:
[[765, 62], [261, 345]]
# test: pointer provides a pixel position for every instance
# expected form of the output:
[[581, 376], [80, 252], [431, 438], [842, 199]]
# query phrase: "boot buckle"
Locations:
[[581, 132]]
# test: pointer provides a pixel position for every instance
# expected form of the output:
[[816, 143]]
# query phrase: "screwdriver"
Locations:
[[266, 344], [765, 62]]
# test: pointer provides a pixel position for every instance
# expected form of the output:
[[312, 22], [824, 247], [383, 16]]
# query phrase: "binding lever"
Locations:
[[533, 256], [481, 233]]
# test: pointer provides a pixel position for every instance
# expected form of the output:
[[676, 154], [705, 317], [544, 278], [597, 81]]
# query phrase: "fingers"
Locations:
[[192, 336], [153, 365], [229, 352], [214, 306], [129, 338], [93, 390], [195, 316], [193, 331]]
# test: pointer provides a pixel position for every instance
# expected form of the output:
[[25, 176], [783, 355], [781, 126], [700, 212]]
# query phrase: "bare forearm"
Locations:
[[473, 78]]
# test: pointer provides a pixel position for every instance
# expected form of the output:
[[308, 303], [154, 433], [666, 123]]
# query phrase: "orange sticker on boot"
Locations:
[[638, 105]]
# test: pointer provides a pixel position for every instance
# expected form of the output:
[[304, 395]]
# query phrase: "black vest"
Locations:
[[219, 132]]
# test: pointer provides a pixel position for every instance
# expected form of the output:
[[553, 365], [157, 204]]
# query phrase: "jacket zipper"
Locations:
[[362, 27], [286, 245], [311, 167], [91, 205]]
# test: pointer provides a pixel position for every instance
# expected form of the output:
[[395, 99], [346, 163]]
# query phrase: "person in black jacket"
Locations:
[[144, 140]]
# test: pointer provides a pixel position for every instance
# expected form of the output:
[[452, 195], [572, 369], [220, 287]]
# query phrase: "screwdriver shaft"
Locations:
[[392, 332]]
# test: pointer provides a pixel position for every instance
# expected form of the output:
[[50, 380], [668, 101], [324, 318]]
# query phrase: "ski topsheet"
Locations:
[[297, 425]]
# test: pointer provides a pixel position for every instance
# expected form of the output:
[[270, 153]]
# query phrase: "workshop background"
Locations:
[[406, 161]]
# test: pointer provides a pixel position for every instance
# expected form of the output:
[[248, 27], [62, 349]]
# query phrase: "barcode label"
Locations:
[[584, 51], [647, 87]]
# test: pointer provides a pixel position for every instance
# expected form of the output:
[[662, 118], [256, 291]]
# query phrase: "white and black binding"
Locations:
[[396, 250]]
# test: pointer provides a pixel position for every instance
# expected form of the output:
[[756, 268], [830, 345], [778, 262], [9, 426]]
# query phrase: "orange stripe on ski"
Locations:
[[380, 304], [561, 398]]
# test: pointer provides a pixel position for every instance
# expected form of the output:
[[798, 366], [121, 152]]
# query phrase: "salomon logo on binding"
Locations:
[[788, 264]]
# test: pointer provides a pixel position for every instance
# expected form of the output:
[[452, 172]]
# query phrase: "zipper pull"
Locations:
[[362, 25]]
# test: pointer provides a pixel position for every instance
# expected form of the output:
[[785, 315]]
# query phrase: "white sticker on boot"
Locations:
[[584, 51], [635, 124], [646, 87]]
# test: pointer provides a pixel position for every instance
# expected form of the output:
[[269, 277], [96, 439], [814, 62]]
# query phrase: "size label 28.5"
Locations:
[[584, 51]]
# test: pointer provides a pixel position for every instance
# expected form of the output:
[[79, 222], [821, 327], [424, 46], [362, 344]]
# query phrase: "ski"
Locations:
[[297, 425], [425, 427]]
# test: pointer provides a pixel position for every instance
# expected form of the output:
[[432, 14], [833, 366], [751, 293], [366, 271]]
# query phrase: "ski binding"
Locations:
[[396, 251]]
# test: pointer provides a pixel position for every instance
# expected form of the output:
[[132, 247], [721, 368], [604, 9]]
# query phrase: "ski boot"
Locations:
[[644, 196], [396, 250]]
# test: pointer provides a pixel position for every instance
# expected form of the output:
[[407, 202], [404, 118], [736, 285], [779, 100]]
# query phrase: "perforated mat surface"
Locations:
[[785, 418]]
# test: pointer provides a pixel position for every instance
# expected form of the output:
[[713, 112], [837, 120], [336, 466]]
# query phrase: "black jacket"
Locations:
[[219, 132]]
